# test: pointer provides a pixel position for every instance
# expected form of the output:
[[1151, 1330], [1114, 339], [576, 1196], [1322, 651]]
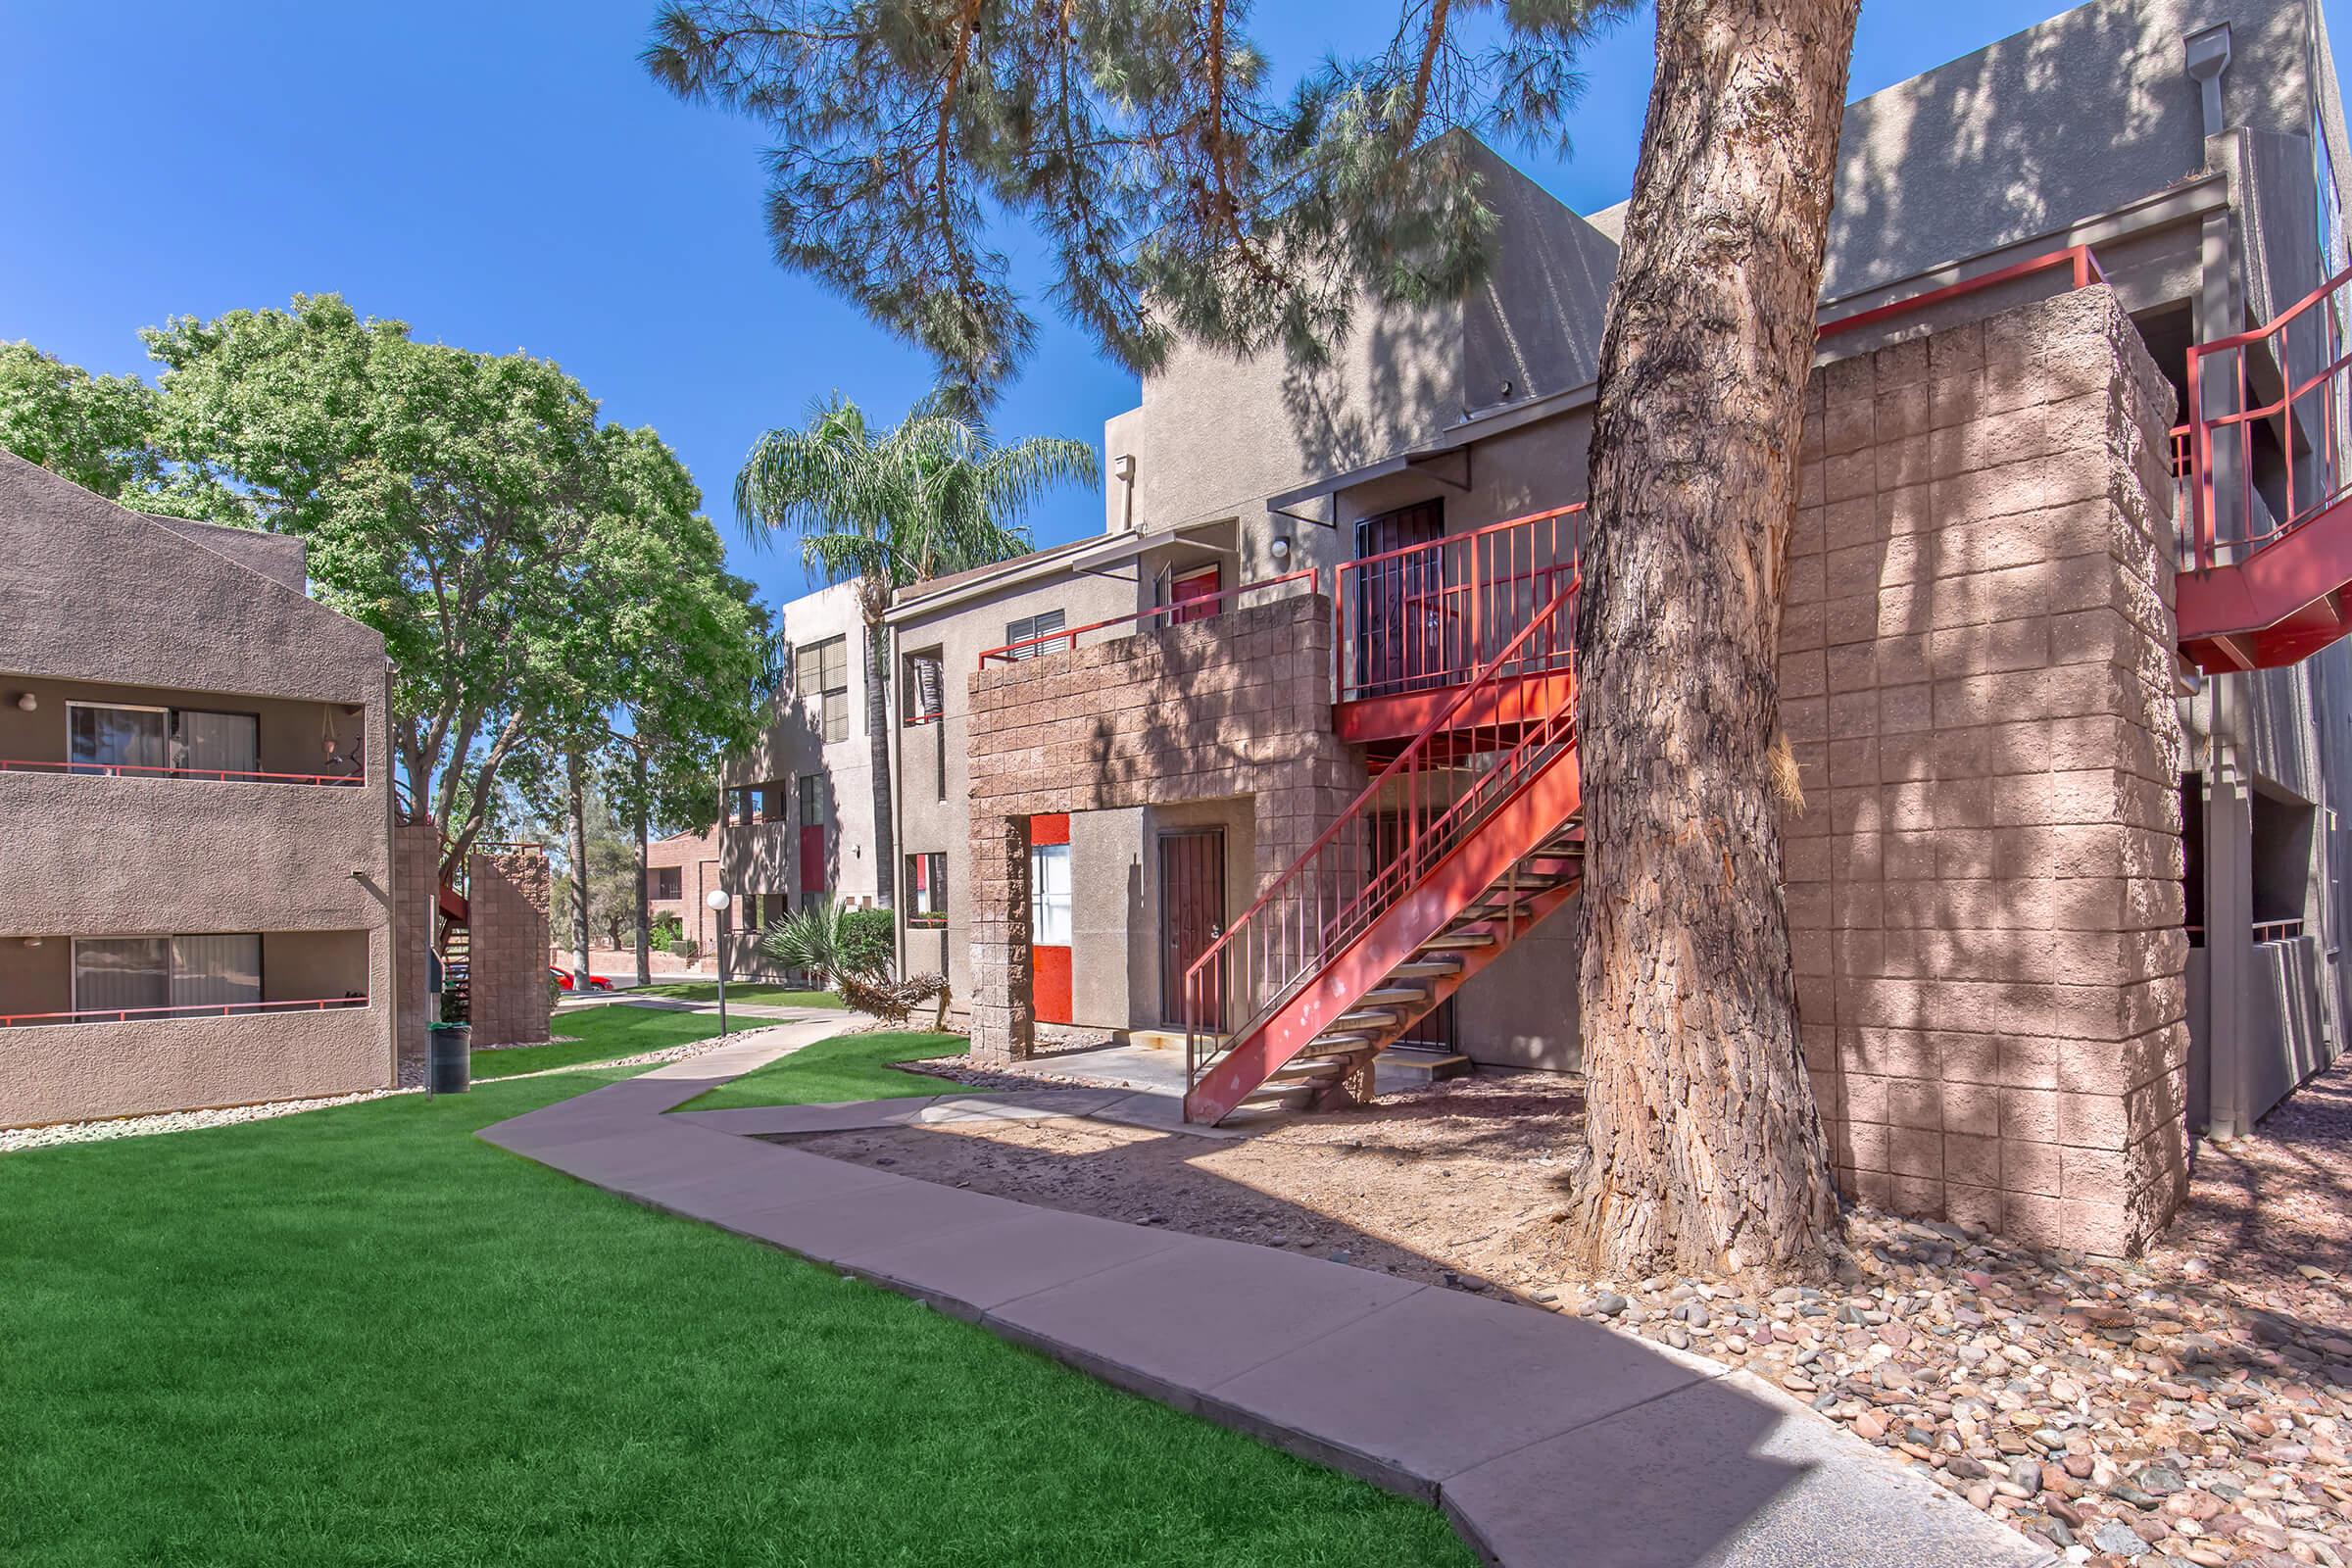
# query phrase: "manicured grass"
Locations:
[[363, 1336], [758, 995], [601, 1034], [844, 1067]]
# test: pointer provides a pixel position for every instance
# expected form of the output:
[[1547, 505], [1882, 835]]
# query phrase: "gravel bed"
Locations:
[[2192, 1408]]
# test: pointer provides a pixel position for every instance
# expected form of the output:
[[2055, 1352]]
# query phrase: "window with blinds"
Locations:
[[820, 673], [140, 739], [1029, 628], [924, 698]]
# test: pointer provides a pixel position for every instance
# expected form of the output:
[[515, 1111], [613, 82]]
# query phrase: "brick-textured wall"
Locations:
[[507, 897], [1235, 705], [1983, 886], [416, 881]]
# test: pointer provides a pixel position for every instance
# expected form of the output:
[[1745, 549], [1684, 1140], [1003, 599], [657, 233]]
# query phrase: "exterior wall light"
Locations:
[[1279, 549], [28, 702]]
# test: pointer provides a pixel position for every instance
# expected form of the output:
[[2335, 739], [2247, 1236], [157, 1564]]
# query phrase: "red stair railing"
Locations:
[[1331, 894], [2261, 469], [1427, 615]]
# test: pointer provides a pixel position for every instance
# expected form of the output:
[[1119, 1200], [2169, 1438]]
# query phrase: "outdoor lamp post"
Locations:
[[719, 900]]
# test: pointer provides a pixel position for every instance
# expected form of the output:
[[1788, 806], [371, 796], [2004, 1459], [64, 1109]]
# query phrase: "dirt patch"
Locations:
[[1462, 1178]]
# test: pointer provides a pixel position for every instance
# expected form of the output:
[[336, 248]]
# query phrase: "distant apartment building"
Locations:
[[798, 821], [681, 872], [1282, 760], [195, 817]]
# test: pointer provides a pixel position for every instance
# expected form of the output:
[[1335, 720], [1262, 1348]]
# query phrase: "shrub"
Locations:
[[668, 928], [869, 939]]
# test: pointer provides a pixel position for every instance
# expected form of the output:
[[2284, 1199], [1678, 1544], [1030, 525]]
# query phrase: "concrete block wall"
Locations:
[[1976, 679], [416, 882], [507, 895], [1236, 704]]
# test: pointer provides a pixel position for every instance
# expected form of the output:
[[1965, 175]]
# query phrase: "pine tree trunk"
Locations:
[[1705, 1149], [877, 732]]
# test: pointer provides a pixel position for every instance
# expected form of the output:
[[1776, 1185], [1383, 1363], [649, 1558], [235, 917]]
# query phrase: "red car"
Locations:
[[595, 982]]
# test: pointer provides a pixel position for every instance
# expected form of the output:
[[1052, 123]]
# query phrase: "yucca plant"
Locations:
[[810, 941]]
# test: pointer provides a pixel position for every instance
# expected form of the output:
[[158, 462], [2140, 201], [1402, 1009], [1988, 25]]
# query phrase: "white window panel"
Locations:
[[1050, 895], [220, 742], [121, 972]]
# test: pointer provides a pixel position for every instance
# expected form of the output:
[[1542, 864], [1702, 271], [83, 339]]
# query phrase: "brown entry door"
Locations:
[[1192, 917], [1401, 606]]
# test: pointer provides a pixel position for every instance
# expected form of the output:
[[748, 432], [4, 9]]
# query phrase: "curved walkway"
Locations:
[[1547, 1440]]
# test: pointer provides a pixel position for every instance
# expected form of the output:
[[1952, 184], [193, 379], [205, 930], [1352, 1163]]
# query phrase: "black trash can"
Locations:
[[449, 1062]]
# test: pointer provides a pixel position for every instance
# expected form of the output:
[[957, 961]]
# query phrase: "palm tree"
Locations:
[[932, 496]]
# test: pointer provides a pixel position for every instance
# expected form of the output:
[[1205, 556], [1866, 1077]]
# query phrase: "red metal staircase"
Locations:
[[1466, 840], [2266, 570]]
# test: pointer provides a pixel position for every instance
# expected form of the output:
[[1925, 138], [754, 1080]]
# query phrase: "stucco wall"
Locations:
[[105, 857], [1983, 885], [764, 856]]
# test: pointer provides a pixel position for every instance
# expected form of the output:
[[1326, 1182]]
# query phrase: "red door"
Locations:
[[1402, 608], [1050, 989], [1204, 585], [1192, 917]]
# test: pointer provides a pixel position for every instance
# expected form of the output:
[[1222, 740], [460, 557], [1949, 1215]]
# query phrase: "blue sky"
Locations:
[[504, 175]]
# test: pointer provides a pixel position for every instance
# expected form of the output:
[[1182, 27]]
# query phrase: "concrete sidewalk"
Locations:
[[1547, 1440]]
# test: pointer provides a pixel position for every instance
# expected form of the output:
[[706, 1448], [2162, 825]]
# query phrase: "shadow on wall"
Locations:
[[1987, 151], [1984, 883]]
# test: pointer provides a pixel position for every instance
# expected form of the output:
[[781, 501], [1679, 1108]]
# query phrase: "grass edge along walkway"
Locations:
[[598, 1034], [361, 1335], [842, 1068]]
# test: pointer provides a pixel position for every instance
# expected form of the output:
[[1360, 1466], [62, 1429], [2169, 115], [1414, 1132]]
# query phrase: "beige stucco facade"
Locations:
[[103, 606]]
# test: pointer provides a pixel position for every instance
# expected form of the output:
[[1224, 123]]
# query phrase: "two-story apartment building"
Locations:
[[798, 826], [2067, 879], [195, 817]]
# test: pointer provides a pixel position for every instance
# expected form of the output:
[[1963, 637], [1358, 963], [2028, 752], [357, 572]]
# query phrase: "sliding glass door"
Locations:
[[138, 975]]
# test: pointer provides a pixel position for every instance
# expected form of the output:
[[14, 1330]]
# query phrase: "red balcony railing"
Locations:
[[1428, 615], [2268, 429], [216, 775], [223, 1009]]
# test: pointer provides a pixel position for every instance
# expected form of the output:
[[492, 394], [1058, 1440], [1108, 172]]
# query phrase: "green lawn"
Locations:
[[844, 1067], [362, 1336], [600, 1034], [757, 995]]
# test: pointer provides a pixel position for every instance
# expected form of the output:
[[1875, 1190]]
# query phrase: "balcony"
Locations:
[[94, 730]]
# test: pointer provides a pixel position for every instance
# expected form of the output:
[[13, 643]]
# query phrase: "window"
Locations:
[[1050, 895], [926, 890], [812, 800], [762, 912], [120, 735], [1029, 628], [141, 974], [821, 671], [924, 697], [670, 882]]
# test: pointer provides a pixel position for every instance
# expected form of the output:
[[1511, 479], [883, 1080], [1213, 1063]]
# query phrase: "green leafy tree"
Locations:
[[97, 430], [1181, 190], [930, 496], [532, 569]]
